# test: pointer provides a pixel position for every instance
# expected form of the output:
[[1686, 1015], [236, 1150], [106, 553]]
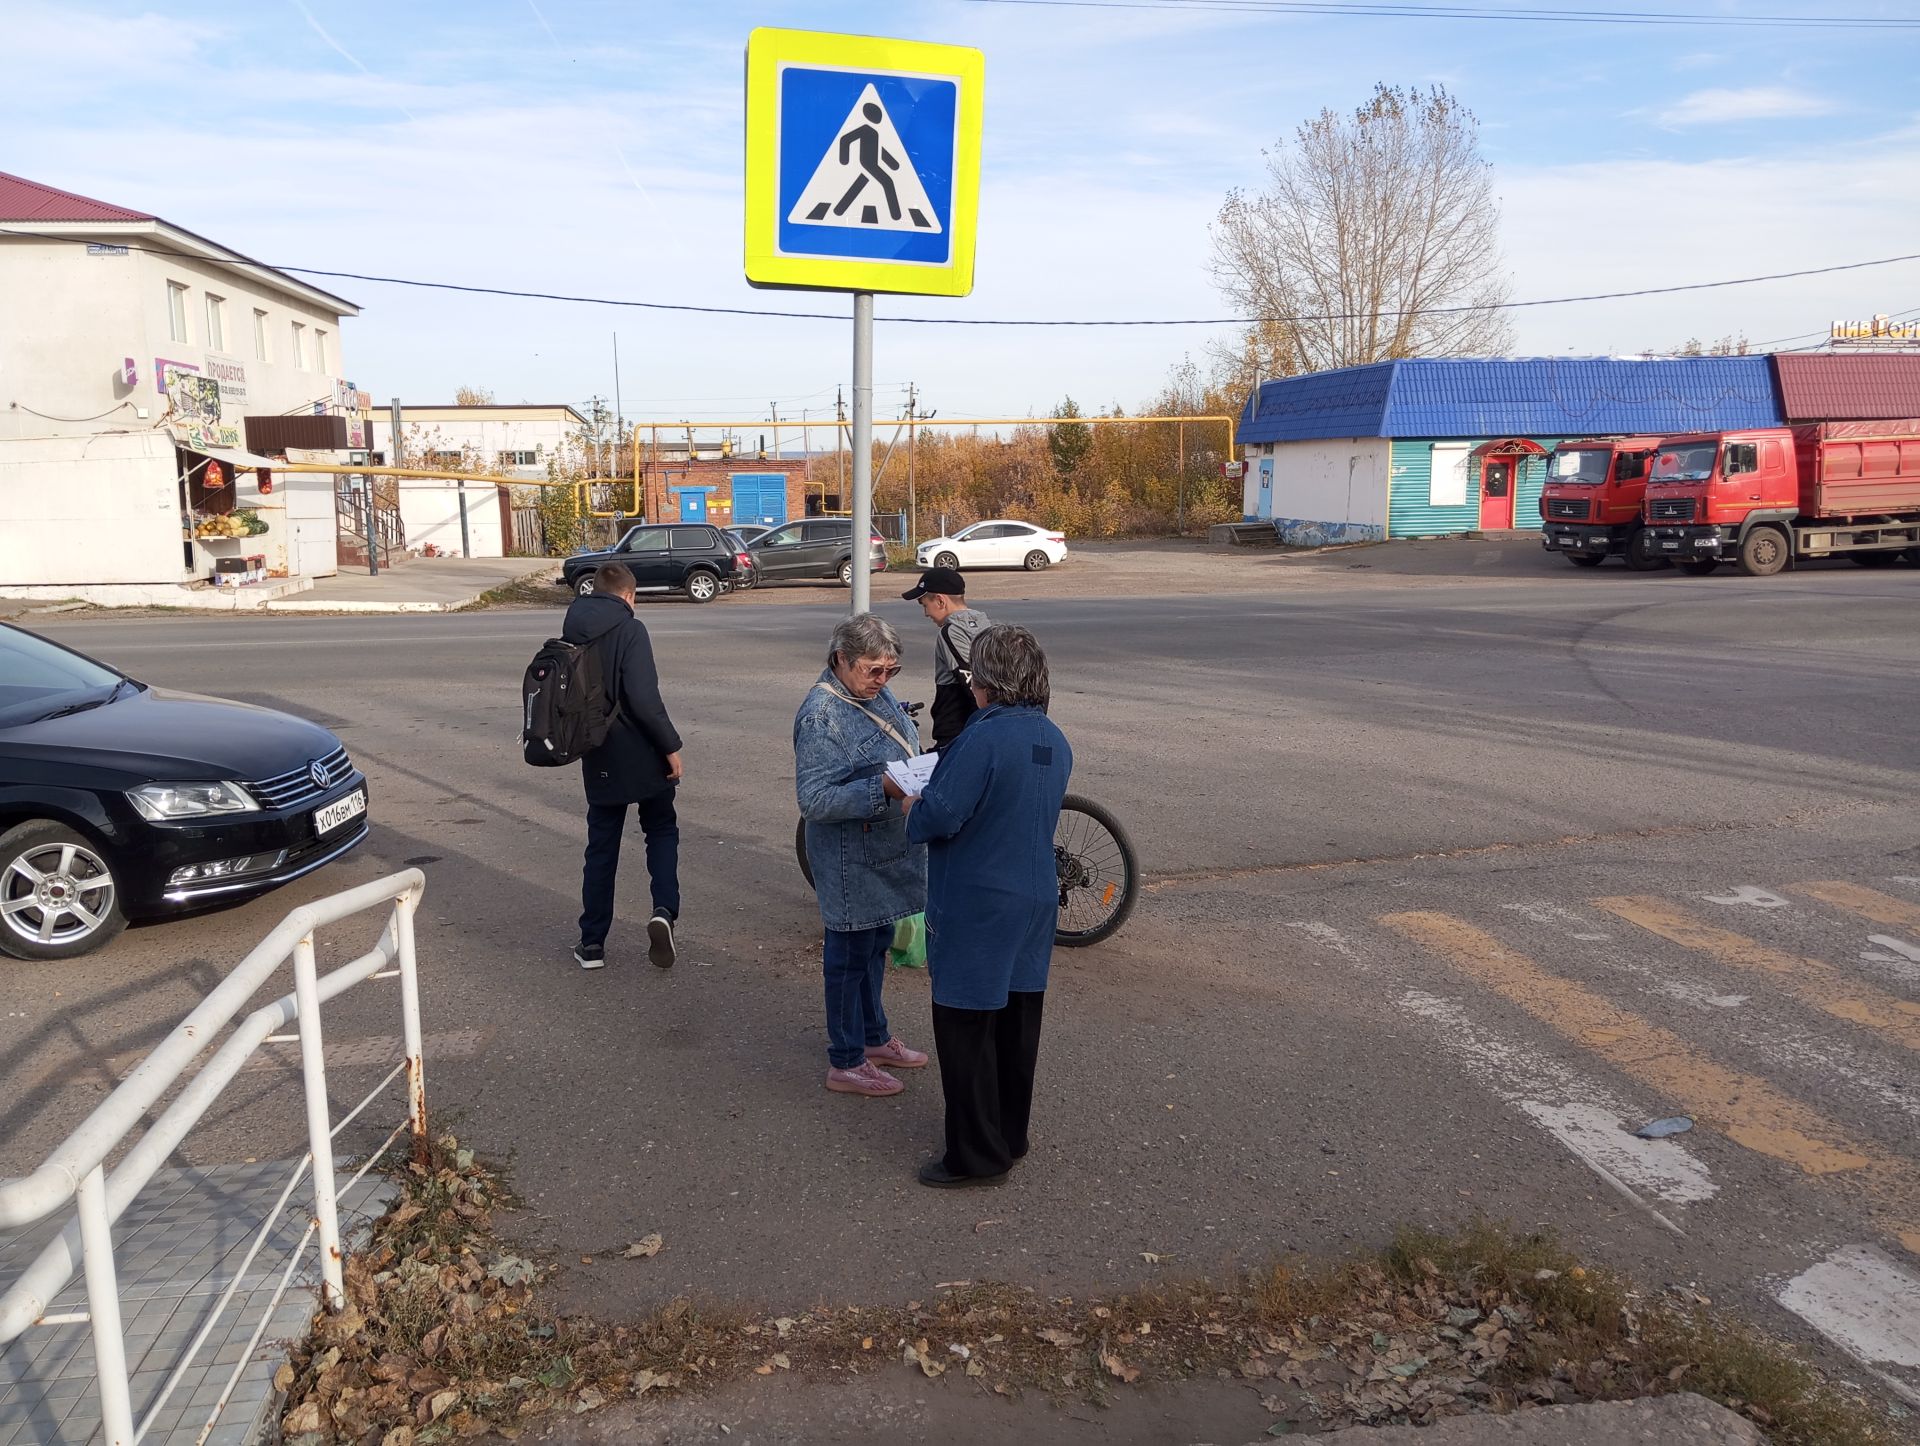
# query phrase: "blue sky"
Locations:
[[595, 148]]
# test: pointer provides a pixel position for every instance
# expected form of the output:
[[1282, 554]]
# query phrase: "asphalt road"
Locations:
[[1457, 876]]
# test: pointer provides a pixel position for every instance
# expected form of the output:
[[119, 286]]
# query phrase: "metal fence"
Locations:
[[75, 1173]]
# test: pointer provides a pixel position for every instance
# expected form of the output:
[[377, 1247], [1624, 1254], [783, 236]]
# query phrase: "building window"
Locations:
[[519, 459], [299, 352], [450, 460], [259, 334], [319, 350], [176, 311], [216, 322]]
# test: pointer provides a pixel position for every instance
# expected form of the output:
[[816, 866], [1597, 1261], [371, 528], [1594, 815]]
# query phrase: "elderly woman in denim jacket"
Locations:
[[866, 874]]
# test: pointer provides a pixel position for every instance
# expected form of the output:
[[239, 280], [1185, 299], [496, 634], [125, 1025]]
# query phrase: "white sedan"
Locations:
[[999, 543]]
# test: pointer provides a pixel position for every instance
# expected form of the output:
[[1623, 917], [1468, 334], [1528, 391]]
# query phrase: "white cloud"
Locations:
[[1759, 102]]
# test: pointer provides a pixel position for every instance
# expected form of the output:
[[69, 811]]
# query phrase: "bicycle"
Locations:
[[1099, 873]]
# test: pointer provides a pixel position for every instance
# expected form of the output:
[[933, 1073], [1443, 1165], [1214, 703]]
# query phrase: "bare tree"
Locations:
[[473, 396], [1376, 237]]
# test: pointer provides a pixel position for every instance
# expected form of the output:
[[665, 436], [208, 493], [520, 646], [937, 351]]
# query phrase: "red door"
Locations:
[[1496, 494]]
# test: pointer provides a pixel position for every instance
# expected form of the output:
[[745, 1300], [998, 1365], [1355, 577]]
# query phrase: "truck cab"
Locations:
[[1709, 491], [1590, 502]]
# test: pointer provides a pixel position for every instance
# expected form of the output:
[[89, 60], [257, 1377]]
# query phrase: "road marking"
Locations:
[[1817, 985], [1867, 1305], [1332, 938], [1743, 1107], [1588, 1120], [1867, 903], [1901, 958], [1748, 894]]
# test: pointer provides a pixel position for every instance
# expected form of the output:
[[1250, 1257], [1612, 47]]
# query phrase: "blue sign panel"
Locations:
[[867, 161]]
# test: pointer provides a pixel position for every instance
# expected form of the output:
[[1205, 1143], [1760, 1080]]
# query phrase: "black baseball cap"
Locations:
[[944, 580]]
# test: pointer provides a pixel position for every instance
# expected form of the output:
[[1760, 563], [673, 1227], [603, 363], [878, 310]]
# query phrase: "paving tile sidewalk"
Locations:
[[176, 1249], [419, 585]]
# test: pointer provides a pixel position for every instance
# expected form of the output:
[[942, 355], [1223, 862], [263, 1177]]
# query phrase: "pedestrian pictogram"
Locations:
[[863, 163], [864, 179]]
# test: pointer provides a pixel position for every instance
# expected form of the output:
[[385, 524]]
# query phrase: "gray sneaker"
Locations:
[[660, 942], [590, 956]]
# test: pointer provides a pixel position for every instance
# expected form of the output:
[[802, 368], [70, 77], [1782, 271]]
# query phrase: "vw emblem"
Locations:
[[318, 772]]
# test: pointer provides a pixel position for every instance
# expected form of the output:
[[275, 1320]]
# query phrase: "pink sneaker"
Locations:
[[863, 1079], [896, 1055]]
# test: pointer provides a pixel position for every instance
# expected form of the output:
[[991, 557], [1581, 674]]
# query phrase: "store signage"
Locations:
[[129, 372], [1879, 331], [101, 248], [193, 407], [232, 378], [160, 366]]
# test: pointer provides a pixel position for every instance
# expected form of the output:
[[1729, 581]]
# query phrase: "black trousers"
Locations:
[[605, 824], [987, 1059]]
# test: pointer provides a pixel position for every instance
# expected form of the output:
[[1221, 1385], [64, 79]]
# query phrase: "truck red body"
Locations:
[[1761, 498], [1591, 500]]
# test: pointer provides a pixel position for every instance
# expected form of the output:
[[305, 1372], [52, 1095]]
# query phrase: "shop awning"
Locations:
[[1508, 447], [234, 457]]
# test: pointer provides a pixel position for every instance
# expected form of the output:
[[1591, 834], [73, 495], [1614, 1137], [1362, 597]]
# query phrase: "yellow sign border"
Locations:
[[767, 50]]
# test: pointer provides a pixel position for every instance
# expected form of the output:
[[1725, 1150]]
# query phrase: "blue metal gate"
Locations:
[[759, 497]]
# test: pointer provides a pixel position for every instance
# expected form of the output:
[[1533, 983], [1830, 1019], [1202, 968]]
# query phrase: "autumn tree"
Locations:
[[1068, 443], [1375, 237], [473, 396]]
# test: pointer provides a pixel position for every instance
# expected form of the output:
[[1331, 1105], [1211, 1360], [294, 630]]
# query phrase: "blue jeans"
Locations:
[[605, 823], [855, 964]]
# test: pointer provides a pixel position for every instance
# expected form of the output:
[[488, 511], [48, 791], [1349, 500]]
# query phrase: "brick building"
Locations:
[[729, 490]]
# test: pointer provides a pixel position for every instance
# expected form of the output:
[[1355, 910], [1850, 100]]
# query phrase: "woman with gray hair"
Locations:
[[866, 874], [993, 892]]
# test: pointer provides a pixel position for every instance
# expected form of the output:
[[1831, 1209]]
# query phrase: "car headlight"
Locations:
[[163, 801]]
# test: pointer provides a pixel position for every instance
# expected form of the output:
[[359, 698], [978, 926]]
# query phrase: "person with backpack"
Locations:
[[942, 595], [599, 700]]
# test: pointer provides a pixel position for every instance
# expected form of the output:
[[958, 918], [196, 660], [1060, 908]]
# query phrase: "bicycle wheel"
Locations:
[[800, 851], [1099, 874]]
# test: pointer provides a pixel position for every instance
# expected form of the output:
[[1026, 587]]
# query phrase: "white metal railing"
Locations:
[[76, 1170]]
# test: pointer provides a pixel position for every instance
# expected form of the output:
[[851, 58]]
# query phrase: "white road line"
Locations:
[[1868, 1305], [1577, 1112], [1331, 938], [1901, 959], [1555, 915], [1749, 895]]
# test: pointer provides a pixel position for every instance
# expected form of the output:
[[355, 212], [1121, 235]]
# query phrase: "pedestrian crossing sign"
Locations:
[[863, 163]]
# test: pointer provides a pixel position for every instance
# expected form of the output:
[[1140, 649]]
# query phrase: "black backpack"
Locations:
[[566, 707]]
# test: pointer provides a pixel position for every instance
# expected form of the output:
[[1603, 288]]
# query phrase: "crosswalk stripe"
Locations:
[[1867, 903], [1818, 985], [1743, 1107]]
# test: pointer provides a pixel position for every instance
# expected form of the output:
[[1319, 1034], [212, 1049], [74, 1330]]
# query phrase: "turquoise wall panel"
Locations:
[[1410, 513]]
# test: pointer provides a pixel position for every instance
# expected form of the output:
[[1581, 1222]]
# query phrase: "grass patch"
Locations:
[[444, 1336], [538, 592]]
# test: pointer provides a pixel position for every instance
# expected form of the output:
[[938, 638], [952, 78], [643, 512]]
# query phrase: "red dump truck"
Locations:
[[1590, 502], [1762, 498]]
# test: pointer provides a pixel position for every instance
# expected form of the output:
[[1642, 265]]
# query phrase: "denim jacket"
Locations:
[[865, 872]]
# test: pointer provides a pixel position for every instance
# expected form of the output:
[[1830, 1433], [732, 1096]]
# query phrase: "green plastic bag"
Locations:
[[909, 947]]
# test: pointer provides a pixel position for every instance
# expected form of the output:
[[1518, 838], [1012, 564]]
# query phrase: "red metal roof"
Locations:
[[1837, 386], [24, 200]]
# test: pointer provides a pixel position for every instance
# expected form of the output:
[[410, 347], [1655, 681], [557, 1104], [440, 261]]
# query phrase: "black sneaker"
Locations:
[[660, 941], [590, 956]]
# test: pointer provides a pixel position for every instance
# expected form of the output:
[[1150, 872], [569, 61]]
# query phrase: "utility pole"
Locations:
[[912, 499], [839, 457], [774, 409], [619, 417], [1181, 428]]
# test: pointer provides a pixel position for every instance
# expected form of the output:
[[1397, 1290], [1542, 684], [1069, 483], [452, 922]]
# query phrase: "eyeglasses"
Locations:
[[883, 672]]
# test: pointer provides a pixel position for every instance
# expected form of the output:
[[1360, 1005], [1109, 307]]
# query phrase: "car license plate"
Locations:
[[1669, 547], [326, 820]]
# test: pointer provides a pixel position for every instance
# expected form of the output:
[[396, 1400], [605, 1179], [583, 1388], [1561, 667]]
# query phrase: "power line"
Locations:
[[1007, 321], [1389, 10]]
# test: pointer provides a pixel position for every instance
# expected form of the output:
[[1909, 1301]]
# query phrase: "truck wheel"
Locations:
[[1873, 559], [1699, 566], [1642, 560], [1585, 559], [1764, 552]]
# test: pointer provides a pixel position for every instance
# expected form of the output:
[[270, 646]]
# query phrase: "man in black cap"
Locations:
[[942, 595]]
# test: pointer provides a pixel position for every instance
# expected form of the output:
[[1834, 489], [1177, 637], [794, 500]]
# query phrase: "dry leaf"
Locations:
[[974, 1368], [589, 1400], [1150, 1257], [952, 1284], [302, 1419], [763, 1370], [1119, 1368], [783, 1325], [866, 1343], [283, 1378], [780, 1360], [646, 1248], [644, 1381], [1063, 1339], [441, 1402]]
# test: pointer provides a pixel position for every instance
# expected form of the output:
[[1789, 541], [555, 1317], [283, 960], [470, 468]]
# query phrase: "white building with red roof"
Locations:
[[147, 376]]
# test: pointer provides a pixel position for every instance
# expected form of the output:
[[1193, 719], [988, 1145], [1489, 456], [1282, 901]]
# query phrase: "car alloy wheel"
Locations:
[[584, 587], [57, 895], [946, 559], [702, 586]]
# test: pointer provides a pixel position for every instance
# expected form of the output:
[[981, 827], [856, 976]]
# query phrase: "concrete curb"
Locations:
[[1678, 1420], [400, 605]]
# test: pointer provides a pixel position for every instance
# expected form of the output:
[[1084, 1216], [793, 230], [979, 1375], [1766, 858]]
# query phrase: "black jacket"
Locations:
[[632, 764]]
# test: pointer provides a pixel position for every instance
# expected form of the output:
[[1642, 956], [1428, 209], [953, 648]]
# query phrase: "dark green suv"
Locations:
[[683, 557]]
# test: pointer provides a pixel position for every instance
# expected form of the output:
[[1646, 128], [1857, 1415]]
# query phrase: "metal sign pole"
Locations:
[[862, 448]]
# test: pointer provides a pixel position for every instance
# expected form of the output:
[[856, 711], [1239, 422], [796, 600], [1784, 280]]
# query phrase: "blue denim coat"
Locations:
[[993, 890], [865, 872]]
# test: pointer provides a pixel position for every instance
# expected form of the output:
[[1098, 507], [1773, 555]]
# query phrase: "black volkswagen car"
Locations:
[[119, 801]]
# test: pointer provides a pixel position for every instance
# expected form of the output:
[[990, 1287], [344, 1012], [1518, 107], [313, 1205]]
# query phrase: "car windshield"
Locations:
[[38, 679], [1685, 462], [1584, 467]]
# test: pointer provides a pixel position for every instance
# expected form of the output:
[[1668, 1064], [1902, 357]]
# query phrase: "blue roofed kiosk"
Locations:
[[1432, 446]]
